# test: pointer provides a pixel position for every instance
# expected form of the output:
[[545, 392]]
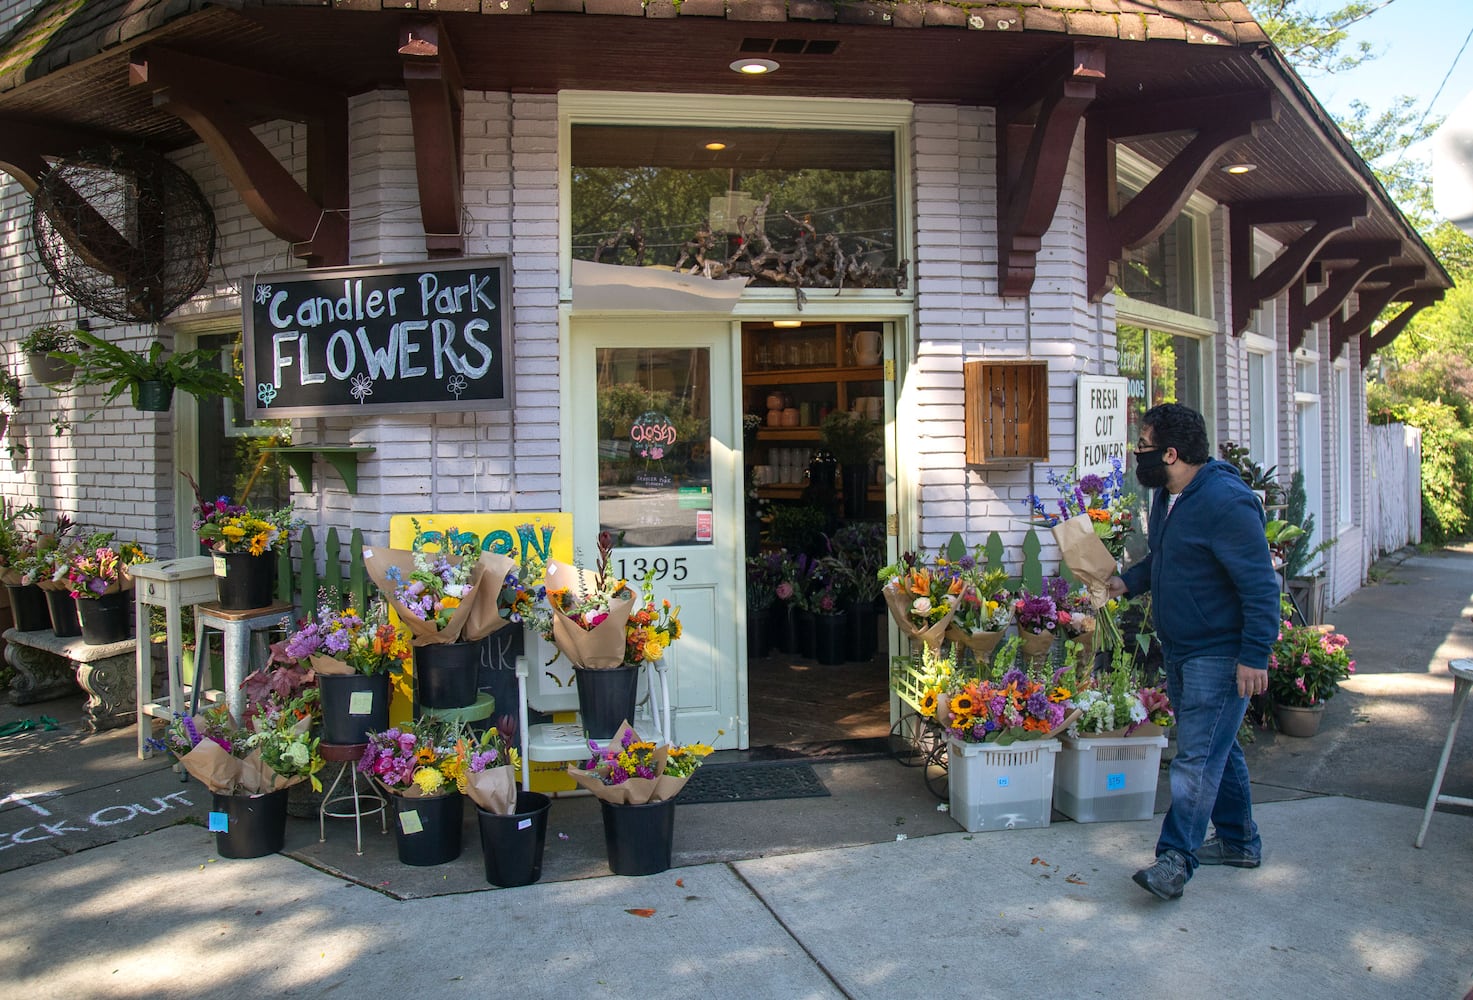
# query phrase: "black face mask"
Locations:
[[1150, 468]]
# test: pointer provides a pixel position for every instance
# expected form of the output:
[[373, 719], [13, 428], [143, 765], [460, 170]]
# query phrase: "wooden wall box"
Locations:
[[1006, 411]]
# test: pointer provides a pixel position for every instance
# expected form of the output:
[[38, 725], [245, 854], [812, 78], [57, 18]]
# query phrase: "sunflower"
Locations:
[[928, 702], [962, 704]]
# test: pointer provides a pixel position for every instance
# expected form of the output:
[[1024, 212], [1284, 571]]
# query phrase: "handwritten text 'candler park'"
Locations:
[[440, 317]]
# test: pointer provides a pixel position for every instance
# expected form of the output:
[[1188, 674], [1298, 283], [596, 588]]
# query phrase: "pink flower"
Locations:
[[784, 590], [1299, 683]]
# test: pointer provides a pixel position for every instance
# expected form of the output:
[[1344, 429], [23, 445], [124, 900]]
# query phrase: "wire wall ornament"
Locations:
[[124, 232]]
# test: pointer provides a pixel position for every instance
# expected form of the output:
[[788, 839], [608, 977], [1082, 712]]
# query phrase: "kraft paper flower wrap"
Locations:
[[476, 615], [230, 760], [613, 784], [587, 640], [1085, 555], [923, 599], [490, 765]]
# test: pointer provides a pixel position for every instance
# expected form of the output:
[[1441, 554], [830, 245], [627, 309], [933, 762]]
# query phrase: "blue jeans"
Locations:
[[1209, 777]]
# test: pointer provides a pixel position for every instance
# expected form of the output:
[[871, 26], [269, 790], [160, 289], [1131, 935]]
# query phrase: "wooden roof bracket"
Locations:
[[211, 97], [1231, 117], [1369, 304], [26, 152], [1416, 301], [1033, 156], [1327, 216], [1368, 255], [436, 101]]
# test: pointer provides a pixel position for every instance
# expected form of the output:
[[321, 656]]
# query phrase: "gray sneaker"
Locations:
[[1214, 852], [1167, 878]]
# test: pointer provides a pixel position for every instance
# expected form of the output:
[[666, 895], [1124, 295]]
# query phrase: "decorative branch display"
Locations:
[[808, 260]]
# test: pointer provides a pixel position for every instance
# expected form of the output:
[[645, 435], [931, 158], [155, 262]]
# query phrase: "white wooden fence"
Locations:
[[1394, 496]]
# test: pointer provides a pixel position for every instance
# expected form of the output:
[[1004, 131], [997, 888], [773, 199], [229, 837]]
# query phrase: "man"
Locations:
[[1215, 603]]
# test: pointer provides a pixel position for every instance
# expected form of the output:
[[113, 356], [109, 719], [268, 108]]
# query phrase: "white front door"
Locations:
[[653, 458]]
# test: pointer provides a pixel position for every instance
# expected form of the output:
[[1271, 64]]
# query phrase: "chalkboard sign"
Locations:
[[396, 338]]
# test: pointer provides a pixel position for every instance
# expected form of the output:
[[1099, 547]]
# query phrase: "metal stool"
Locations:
[[1462, 671], [237, 627], [348, 755]]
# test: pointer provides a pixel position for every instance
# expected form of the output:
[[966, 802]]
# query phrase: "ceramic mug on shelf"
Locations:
[[868, 348]]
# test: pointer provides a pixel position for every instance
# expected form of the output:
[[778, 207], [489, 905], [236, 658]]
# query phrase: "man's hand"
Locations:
[[1115, 587], [1251, 682]]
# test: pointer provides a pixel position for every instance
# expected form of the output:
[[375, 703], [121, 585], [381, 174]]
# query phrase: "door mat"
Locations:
[[752, 782]]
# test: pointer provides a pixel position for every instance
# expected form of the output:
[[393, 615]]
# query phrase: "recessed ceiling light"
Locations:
[[1239, 168], [787, 324], [715, 147], [754, 67]]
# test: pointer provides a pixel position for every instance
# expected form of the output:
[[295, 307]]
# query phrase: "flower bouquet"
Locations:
[[1094, 517], [14, 537], [355, 659], [97, 567], [629, 771], [37, 555], [1307, 664], [444, 596], [922, 599], [488, 771], [590, 611], [229, 759], [1003, 706], [1037, 618], [232, 529], [422, 765], [1116, 705], [984, 611]]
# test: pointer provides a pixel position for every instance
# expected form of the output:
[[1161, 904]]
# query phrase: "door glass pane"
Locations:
[[654, 445], [231, 460]]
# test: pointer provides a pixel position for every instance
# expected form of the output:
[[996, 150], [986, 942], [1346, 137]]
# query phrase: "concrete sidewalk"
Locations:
[[795, 898]]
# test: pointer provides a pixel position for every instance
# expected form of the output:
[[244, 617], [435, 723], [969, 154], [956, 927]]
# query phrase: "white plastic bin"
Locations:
[[1001, 788], [1108, 778]]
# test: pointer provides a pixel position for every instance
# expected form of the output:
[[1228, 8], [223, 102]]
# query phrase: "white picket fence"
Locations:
[[1394, 497]]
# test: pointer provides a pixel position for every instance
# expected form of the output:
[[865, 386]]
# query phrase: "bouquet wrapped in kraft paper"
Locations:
[[629, 771], [490, 767], [590, 614], [441, 597], [923, 599], [1092, 565], [231, 760]]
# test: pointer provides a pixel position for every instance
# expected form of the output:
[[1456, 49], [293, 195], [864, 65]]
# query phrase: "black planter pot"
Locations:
[[758, 633], [855, 480], [153, 396], [353, 705], [28, 606], [243, 581], [62, 608], [427, 830], [254, 825], [864, 624], [803, 629], [831, 638], [497, 673], [512, 845], [445, 674], [639, 839], [605, 699], [784, 628], [106, 619]]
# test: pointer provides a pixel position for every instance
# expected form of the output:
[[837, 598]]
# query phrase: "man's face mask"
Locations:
[[1150, 468]]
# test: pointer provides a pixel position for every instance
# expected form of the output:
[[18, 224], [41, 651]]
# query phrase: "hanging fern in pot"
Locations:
[[150, 377]]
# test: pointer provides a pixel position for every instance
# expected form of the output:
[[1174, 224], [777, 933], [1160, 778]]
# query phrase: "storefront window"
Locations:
[[1164, 271], [230, 452], [654, 445], [1159, 367], [647, 195]]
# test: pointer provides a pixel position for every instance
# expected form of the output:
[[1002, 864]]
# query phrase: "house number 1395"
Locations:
[[676, 569]]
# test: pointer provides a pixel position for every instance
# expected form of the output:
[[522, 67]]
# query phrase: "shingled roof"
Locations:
[[62, 33]]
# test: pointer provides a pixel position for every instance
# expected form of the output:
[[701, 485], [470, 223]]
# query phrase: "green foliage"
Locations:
[[9, 391], [798, 527], [1315, 40], [1255, 475], [195, 372], [851, 439], [1301, 553], [44, 339]]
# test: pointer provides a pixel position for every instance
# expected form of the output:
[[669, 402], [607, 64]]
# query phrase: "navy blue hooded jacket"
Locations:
[[1213, 586]]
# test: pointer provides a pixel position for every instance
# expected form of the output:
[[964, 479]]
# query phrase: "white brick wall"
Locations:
[[960, 317]]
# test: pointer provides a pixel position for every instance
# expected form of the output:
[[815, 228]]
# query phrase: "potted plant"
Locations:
[[856, 555], [354, 657], [248, 771], [764, 573], [98, 579], [853, 441], [9, 405], [43, 347], [1305, 669], [1306, 578], [418, 764], [241, 540], [150, 377], [1262, 481]]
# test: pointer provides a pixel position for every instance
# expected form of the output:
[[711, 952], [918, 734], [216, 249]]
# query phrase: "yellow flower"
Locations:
[[450, 602], [429, 780], [928, 702], [233, 532], [259, 543]]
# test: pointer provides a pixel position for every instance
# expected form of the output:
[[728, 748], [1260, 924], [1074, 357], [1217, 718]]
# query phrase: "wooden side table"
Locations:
[[237, 628]]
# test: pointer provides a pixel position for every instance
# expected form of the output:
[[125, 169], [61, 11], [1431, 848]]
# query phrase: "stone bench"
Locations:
[[48, 667]]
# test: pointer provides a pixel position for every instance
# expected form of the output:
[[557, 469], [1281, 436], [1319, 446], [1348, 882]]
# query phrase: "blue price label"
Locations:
[[1115, 782], [1002, 782], [219, 822]]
